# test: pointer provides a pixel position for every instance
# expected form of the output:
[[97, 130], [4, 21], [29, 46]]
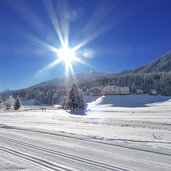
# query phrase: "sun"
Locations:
[[66, 55]]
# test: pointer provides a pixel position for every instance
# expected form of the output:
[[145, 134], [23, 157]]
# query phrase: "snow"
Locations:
[[129, 123], [127, 100]]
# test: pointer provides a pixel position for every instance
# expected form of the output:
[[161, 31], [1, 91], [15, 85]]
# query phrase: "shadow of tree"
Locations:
[[79, 112]]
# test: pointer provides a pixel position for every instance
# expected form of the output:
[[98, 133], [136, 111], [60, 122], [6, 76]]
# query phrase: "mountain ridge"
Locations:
[[79, 78], [161, 64]]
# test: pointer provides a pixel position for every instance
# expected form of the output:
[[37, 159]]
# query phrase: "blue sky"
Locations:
[[122, 34]]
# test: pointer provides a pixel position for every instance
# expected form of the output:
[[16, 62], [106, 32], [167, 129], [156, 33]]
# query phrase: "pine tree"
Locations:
[[76, 98], [73, 97], [17, 103]]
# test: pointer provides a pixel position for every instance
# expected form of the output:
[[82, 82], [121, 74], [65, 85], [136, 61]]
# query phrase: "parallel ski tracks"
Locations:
[[49, 165], [35, 161]]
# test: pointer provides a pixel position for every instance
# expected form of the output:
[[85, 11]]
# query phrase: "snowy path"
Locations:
[[32, 150]]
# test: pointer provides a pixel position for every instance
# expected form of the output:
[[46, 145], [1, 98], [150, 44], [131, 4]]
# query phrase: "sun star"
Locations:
[[66, 55]]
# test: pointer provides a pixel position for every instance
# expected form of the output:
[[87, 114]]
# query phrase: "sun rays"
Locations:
[[61, 32], [64, 54], [62, 51]]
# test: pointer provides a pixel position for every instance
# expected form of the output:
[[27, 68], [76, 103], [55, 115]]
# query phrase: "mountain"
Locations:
[[162, 64], [82, 77]]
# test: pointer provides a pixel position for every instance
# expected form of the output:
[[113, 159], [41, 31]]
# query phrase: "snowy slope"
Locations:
[[161, 64]]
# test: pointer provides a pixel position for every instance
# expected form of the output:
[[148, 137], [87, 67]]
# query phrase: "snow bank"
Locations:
[[125, 100]]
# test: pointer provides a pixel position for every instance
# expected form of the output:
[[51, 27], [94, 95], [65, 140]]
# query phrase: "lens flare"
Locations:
[[66, 55]]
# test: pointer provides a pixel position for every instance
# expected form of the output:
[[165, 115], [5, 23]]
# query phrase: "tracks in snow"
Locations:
[[41, 150], [38, 162], [148, 150], [45, 164]]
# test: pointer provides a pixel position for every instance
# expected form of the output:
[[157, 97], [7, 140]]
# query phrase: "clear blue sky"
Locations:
[[125, 34]]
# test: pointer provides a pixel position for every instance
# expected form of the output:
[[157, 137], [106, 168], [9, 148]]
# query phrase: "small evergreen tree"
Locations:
[[76, 99], [73, 97], [17, 103]]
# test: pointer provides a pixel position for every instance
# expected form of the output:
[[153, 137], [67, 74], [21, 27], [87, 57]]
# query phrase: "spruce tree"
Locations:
[[76, 98], [17, 103], [73, 97]]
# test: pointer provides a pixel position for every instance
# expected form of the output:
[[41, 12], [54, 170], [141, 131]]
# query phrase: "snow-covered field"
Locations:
[[130, 132]]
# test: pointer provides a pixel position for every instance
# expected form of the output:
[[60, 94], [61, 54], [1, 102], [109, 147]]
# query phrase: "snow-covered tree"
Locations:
[[17, 103], [75, 99], [9, 103]]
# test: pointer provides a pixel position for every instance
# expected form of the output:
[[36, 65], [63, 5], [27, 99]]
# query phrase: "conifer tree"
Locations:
[[76, 98], [73, 97], [17, 103]]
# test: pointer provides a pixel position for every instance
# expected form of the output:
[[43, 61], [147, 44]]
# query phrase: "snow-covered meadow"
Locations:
[[143, 119], [138, 121]]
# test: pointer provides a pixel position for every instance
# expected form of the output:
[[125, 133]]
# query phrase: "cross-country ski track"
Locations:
[[29, 149]]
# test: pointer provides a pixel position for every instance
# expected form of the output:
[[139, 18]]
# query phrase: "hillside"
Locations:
[[162, 64]]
